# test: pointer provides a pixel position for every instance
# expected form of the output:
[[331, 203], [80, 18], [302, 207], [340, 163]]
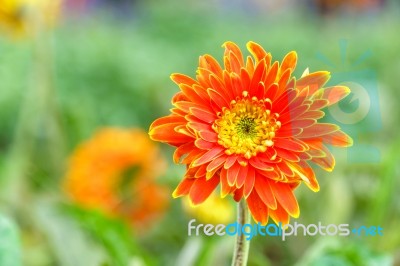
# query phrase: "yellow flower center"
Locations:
[[247, 127]]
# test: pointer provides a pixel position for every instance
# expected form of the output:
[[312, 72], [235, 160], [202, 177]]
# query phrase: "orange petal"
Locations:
[[204, 145], [258, 76], [271, 78], [256, 50], [327, 163], [315, 152], [212, 173], [241, 177], [193, 155], [285, 100], [202, 114], [259, 164], [217, 85], [264, 191], [283, 80], [304, 92], [289, 62], [284, 169], [186, 105], [238, 194], [225, 188], [202, 92], [203, 78], [182, 79], [305, 156], [290, 145], [250, 65], [232, 47], [202, 188], [232, 174], [226, 79], [273, 175], [312, 114], [291, 114], [287, 132], [209, 156], [169, 119], [335, 94], [192, 94], [287, 155], [258, 209], [230, 161], [269, 156], [303, 123], [314, 81], [237, 85], [218, 99], [279, 215], [166, 133], [338, 138], [249, 183], [200, 126], [245, 80], [284, 195], [184, 130], [242, 161], [210, 63], [271, 91], [306, 173], [178, 112], [182, 150], [179, 97], [216, 164], [317, 130], [201, 171], [232, 63], [260, 90], [319, 104], [208, 136], [183, 188]]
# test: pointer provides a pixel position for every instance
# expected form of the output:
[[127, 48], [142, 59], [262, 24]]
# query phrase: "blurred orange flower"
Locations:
[[115, 172], [253, 129]]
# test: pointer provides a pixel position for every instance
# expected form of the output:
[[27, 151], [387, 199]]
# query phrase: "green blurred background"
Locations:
[[111, 63]]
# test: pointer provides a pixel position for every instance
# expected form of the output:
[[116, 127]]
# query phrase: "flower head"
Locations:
[[115, 173], [251, 128]]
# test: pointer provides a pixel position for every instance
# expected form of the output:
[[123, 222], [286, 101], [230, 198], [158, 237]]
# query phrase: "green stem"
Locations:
[[241, 249]]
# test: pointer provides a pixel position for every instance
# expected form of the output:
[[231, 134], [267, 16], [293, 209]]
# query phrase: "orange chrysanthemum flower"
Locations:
[[253, 129], [115, 173]]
